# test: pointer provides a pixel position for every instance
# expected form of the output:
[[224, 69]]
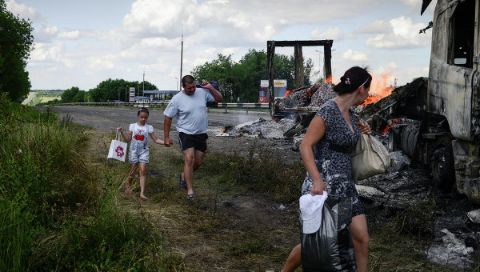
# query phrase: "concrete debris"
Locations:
[[400, 190], [474, 216], [297, 140], [398, 161], [451, 251], [313, 97], [260, 128], [323, 93], [369, 192]]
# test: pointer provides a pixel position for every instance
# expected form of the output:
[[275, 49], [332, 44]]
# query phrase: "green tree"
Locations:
[[73, 94], [15, 44], [241, 80], [220, 69], [117, 89], [79, 97]]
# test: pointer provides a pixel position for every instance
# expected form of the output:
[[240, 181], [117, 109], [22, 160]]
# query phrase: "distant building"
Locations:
[[158, 94]]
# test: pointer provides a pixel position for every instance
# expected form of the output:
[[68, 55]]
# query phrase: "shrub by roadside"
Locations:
[[56, 213]]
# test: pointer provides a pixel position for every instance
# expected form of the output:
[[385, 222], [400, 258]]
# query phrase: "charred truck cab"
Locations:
[[451, 131]]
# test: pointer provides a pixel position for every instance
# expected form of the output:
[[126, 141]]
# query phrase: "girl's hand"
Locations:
[[318, 187], [364, 127], [119, 129], [167, 141]]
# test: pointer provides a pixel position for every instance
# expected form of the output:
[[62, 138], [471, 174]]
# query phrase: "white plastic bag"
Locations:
[[370, 158], [118, 149]]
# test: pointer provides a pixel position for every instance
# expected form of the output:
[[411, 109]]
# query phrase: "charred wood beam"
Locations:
[[303, 43], [327, 64], [299, 71], [327, 52], [270, 70]]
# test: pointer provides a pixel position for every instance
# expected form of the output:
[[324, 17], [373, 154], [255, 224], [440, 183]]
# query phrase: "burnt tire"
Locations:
[[443, 172]]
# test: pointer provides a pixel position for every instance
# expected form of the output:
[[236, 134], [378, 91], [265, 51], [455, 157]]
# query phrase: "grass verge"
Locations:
[[59, 212]]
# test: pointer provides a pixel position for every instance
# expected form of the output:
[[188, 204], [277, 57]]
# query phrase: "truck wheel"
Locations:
[[442, 168]]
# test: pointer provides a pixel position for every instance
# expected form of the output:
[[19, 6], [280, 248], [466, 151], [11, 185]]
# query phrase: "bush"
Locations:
[[56, 213]]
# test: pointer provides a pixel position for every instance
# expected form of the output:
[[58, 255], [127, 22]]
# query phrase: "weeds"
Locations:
[[260, 171], [56, 213]]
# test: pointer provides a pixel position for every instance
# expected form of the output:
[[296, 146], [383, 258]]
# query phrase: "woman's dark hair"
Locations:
[[352, 79], [188, 79], [145, 110]]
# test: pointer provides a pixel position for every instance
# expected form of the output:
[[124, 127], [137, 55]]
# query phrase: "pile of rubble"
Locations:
[[259, 128], [306, 98], [402, 186]]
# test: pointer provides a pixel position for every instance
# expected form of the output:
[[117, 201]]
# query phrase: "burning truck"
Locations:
[[434, 120]]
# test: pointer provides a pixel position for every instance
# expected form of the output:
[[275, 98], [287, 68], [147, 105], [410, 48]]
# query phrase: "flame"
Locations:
[[379, 88], [329, 79]]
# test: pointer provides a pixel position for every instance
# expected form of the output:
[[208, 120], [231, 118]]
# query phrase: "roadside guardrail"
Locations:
[[224, 106]]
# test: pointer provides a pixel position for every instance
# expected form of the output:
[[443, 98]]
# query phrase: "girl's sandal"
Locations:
[[191, 196]]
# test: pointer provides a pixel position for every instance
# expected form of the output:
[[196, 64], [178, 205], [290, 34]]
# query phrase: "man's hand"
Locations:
[[207, 85]]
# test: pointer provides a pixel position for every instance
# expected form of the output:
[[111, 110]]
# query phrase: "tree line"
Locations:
[[107, 90], [240, 81]]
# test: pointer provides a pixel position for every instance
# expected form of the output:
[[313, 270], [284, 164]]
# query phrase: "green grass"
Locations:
[[259, 172], [59, 213]]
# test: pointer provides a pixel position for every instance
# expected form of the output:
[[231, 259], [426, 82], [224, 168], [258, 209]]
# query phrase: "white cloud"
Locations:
[[401, 33], [413, 3], [355, 56], [46, 53], [376, 27], [232, 23], [334, 33], [157, 42], [50, 55], [71, 35], [22, 10]]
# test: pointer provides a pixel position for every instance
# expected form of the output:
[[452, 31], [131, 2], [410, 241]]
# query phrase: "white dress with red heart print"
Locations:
[[139, 152]]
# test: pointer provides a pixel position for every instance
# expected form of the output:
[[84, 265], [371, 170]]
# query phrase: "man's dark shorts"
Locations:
[[197, 141]]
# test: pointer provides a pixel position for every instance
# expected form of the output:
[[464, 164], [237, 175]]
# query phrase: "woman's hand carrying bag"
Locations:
[[370, 157]]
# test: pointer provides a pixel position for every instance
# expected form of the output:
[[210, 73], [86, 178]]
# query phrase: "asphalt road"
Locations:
[[108, 118]]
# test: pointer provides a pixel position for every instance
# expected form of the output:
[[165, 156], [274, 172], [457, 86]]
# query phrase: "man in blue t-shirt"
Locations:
[[190, 108]]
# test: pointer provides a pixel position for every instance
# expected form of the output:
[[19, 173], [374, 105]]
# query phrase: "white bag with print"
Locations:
[[118, 149]]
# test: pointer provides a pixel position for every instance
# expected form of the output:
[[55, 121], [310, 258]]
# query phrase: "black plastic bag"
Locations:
[[331, 247]]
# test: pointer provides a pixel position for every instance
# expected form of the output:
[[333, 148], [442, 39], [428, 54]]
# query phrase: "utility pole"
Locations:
[[143, 84], [181, 61]]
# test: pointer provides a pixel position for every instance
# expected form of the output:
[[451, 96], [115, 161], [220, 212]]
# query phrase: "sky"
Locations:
[[81, 43]]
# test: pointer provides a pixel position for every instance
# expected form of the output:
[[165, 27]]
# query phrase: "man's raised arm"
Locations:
[[215, 93]]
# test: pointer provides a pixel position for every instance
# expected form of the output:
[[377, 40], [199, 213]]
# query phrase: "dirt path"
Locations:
[[226, 228]]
